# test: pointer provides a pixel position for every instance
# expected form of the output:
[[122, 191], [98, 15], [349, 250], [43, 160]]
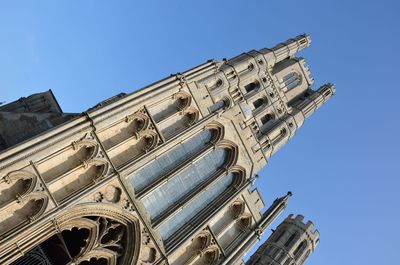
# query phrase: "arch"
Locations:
[[201, 241], [267, 118], [139, 121], [101, 165], [253, 86], [218, 131], [234, 152], [151, 140], [174, 124], [110, 212], [133, 147], [200, 207], [240, 178], [237, 208], [298, 252], [167, 107], [16, 184], [92, 234], [39, 203], [167, 162], [192, 115], [244, 221], [22, 211], [211, 255], [163, 199], [260, 102], [68, 160], [124, 130], [279, 236], [184, 100], [291, 239], [89, 172], [90, 144]]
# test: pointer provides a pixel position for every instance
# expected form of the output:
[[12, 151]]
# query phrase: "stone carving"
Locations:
[[22, 200], [85, 240], [113, 194], [127, 205], [149, 253], [131, 138], [71, 171]]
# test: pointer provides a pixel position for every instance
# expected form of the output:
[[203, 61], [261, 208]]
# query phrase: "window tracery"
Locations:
[[87, 240], [196, 209], [292, 80], [92, 233], [166, 163]]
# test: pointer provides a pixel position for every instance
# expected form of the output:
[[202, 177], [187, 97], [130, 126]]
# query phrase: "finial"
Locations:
[[253, 179]]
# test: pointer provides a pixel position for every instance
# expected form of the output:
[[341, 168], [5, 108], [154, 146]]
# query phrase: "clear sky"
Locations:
[[343, 164]]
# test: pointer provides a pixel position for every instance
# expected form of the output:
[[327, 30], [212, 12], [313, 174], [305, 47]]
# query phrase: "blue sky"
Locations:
[[342, 166]]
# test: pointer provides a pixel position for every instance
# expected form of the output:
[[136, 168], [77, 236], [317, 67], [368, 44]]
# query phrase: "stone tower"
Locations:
[[162, 175], [290, 244]]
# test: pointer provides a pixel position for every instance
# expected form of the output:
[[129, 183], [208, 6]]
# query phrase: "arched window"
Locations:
[[206, 198], [220, 104], [292, 80], [300, 249], [252, 86], [291, 239], [280, 235], [86, 240], [169, 161], [184, 182], [167, 107], [267, 118], [258, 103]]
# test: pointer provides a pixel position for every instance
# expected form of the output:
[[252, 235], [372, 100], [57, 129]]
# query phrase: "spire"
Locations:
[[277, 207], [286, 49]]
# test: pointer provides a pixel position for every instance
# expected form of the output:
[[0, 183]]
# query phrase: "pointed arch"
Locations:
[[89, 233], [15, 184], [211, 255]]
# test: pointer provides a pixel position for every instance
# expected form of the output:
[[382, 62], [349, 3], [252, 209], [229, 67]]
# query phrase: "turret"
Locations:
[[291, 243], [286, 49]]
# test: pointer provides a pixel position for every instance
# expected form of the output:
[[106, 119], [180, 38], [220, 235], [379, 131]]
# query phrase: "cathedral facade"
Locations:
[[163, 175]]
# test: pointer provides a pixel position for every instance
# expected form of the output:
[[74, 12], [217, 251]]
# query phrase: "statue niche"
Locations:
[[22, 211], [127, 140], [19, 203], [174, 114], [74, 167]]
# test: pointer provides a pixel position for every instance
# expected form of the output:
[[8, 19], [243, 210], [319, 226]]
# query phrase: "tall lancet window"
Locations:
[[166, 163], [292, 80], [207, 198], [185, 182]]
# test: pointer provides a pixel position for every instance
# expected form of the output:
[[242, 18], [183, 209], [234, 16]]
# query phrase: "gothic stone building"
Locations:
[[159, 176]]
